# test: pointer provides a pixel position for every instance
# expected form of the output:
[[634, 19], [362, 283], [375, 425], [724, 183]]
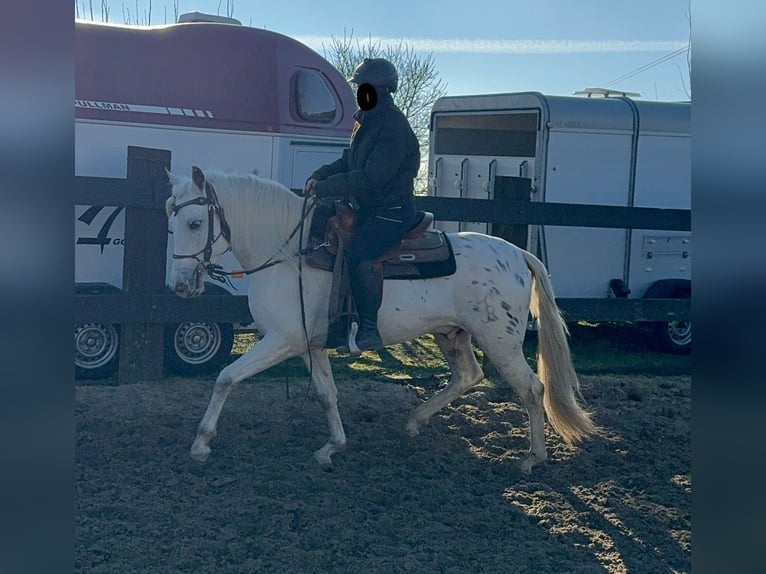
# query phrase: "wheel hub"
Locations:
[[94, 344], [680, 332], [197, 342]]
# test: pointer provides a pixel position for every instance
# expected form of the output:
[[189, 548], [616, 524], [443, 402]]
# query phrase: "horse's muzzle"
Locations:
[[182, 289]]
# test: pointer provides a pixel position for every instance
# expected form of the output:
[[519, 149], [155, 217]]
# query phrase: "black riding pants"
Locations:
[[378, 232]]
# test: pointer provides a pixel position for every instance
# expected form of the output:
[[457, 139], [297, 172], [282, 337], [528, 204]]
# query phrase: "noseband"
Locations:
[[211, 200]]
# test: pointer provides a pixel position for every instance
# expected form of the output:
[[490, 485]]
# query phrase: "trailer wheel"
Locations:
[[674, 336], [95, 350], [197, 348]]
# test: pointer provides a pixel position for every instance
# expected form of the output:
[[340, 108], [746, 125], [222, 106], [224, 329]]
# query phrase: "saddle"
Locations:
[[421, 254]]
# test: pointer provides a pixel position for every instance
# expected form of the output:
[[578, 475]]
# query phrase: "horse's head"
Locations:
[[200, 232]]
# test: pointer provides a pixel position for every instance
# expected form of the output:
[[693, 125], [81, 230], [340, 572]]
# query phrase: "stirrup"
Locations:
[[352, 348]]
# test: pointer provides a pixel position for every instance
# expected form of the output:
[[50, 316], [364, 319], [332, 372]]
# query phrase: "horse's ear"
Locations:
[[174, 179], [198, 177], [170, 203]]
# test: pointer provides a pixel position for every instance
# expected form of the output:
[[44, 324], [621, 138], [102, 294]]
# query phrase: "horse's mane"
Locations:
[[261, 213]]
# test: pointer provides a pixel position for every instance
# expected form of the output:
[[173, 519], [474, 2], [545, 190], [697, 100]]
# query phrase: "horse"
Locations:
[[486, 302]]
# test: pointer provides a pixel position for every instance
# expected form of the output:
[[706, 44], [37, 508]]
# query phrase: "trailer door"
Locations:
[[587, 167], [469, 149]]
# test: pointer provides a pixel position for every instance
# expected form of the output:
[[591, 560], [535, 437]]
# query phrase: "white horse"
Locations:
[[486, 300]]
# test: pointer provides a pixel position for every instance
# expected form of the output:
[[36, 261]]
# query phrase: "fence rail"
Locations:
[[144, 305], [564, 214]]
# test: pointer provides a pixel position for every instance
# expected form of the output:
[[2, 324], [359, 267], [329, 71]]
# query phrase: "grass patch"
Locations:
[[621, 348], [596, 349]]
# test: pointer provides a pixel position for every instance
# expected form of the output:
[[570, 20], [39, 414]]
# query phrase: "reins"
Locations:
[[304, 214], [216, 271]]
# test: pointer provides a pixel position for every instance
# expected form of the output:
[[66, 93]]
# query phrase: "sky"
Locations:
[[486, 46]]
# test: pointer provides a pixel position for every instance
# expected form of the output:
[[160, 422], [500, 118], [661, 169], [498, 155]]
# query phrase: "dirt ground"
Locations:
[[450, 501]]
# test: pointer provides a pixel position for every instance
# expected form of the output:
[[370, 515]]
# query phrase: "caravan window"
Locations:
[[506, 135], [313, 98]]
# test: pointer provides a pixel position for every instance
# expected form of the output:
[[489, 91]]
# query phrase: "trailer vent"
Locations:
[[201, 17], [605, 92]]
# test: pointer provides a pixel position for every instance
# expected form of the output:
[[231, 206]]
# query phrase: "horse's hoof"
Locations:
[[411, 430], [324, 455], [199, 452], [324, 460], [530, 462]]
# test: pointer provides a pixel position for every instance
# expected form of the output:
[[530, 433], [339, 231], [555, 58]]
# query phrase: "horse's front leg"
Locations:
[[270, 351], [321, 373]]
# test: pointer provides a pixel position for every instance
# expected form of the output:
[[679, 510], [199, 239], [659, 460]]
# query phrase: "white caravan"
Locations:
[[613, 151], [214, 93]]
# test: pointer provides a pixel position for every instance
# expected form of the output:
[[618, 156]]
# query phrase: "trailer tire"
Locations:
[[674, 336], [196, 348], [95, 350], [96, 344]]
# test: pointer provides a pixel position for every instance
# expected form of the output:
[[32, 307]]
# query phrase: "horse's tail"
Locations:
[[554, 363]]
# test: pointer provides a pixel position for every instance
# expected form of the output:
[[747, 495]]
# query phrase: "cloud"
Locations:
[[480, 46]]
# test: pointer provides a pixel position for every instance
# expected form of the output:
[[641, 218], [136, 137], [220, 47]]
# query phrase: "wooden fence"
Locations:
[[144, 306]]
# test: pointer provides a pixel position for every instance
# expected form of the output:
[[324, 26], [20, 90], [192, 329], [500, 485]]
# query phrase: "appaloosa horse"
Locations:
[[486, 300]]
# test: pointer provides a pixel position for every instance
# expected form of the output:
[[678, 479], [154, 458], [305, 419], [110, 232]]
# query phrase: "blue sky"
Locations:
[[489, 46]]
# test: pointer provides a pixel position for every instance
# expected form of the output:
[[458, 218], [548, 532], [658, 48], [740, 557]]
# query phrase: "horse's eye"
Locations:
[[194, 225]]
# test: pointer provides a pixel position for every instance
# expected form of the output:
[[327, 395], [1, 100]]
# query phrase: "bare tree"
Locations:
[[229, 8], [140, 16], [419, 82], [85, 11]]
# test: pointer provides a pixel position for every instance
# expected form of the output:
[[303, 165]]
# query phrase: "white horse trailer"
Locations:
[[613, 151], [214, 93]]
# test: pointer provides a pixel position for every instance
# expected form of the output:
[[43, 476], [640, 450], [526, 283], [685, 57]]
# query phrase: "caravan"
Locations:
[[609, 149], [214, 93]]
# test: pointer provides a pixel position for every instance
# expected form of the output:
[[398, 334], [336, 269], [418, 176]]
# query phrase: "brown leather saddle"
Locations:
[[422, 254]]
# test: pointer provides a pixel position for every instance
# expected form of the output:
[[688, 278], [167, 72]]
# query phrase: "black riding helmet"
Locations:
[[378, 72]]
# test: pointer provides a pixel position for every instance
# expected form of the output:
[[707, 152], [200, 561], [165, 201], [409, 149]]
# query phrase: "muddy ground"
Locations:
[[450, 501]]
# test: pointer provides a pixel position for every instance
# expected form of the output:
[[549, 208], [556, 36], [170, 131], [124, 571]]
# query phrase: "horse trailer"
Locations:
[[215, 94], [608, 151]]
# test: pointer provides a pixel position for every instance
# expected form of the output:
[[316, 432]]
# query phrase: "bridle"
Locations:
[[214, 207], [214, 270]]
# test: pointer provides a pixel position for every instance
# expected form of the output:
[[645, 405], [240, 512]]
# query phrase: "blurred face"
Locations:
[[366, 97]]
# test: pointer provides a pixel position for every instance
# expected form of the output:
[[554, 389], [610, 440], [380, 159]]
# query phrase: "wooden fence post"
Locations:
[[144, 264]]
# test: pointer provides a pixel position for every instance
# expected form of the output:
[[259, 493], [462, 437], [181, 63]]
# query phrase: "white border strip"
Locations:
[[122, 107]]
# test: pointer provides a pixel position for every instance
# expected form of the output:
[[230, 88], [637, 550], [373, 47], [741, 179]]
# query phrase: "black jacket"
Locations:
[[378, 167]]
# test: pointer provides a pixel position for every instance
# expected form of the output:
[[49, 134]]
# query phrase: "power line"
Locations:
[[652, 64]]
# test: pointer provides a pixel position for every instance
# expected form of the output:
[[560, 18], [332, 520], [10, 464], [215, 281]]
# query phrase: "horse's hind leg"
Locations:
[[517, 373], [321, 374], [465, 373]]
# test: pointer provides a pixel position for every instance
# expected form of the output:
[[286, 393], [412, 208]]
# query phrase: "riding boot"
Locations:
[[366, 287]]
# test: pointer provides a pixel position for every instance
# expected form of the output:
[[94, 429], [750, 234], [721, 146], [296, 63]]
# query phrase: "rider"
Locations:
[[377, 170]]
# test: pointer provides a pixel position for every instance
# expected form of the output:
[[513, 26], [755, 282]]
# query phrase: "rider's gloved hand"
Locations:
[[308, 189]]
